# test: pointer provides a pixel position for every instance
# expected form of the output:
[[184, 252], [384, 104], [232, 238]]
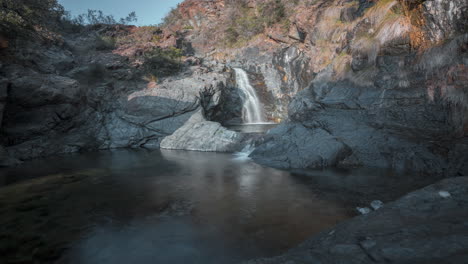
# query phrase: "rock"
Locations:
[[3, 98], [296, 33], [6, 160], [445, 19], [404, 231], [348, 14], [363, 210], [444, 194], [39, 90], [294, 146], [200, 135], [377, 204]]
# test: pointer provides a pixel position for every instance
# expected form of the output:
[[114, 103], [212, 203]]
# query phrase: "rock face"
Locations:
[[70, 101], [3, 97], [381, 97], [425, 226], [197, 134]]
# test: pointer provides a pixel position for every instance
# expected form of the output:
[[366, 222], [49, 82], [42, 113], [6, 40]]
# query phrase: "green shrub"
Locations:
[[247, 22], [20, 17], [163, 62], [174, 16], [142, 35], [231, 35], [105, 43], [97, 17], [272, 12]]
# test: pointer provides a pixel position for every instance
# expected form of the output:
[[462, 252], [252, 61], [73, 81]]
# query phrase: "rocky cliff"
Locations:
[[357, 83], [354, 83], [74, 95]]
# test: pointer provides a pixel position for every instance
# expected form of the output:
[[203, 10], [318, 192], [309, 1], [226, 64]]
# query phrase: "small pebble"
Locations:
[[377, 204], [444, 194], [363, 210]]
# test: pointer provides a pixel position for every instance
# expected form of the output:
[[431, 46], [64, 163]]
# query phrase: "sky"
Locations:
[[149, 12]]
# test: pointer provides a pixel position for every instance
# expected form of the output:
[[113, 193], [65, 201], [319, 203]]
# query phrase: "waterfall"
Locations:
[[252, 110]]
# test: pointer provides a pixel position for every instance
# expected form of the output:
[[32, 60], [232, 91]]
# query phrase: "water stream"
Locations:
[[252, 109]]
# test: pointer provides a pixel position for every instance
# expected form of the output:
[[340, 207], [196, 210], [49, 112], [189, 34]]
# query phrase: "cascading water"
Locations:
[[252, 110]]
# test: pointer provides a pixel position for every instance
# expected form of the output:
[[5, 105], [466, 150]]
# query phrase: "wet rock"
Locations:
[[403, 231]]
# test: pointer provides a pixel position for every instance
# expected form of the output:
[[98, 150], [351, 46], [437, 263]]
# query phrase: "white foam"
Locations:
[[244, 154]]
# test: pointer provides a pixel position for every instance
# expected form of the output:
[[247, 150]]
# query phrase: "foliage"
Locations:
[[105, 43], [143, 35], [19, 17], [272, 12], [172, 17], [163, 62], [248, 22], [95, 17]]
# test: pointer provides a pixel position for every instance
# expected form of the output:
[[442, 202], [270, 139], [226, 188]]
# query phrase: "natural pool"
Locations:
[[132, 206]]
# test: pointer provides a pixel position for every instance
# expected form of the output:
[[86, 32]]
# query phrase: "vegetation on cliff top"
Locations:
[[20, 17]]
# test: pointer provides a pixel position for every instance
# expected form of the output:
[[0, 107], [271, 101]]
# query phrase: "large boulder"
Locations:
[[425, 226], [200, 135], [295, 146]]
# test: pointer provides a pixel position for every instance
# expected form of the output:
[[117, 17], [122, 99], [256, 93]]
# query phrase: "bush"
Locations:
[[143, 34], [163, 62], [272, 12], [97, 17], [105, 43], [21, 17], [246, 22], [173, 17]]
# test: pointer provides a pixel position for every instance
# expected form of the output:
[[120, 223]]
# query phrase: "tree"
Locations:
[[17, 17], [95, 17]]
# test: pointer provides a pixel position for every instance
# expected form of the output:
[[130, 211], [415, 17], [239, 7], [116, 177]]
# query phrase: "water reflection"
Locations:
[[165, 207]]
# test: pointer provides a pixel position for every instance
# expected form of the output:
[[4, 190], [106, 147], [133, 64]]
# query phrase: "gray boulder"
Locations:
[[295, 146], [200, 135]]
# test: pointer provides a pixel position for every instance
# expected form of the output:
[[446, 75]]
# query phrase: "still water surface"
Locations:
[[171, 207]]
